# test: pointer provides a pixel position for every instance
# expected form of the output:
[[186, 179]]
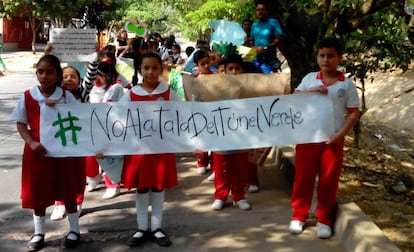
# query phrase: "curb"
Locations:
[[357, 233], [353, 228]]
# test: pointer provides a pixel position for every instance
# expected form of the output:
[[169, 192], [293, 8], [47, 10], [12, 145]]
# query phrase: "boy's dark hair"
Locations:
[[54, 61], [222, 62], [189, 50], [262, 2], [200, 54], [331, 43], [202, 44], [233, 58], [247, 20], [177, 46]]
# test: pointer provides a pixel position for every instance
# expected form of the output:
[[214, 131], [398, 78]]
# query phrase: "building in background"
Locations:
[[16, 33]]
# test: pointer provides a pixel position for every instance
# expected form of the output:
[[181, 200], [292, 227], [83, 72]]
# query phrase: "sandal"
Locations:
[[163, 241], [69, 243], [135, 241], [38, 245]]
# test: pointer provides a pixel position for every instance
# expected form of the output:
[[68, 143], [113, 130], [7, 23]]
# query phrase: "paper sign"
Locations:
[[73, 44]]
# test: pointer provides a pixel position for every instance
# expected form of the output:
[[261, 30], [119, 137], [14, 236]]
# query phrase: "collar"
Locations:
[[341, 77]]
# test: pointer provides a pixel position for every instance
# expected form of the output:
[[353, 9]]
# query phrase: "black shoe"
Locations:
[[163, 241], [35, 246], [69, 243], [135, 241]]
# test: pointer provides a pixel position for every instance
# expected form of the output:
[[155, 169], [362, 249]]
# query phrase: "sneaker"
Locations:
[[58, 213], [296, 226], [253, 189], [217, 205], [111, 193], [93, 182], [242, 204], [323, 231], [211, 177], [201, 170]]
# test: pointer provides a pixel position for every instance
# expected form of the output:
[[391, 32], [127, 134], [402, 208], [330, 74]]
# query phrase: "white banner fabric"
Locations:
[[174, 127]]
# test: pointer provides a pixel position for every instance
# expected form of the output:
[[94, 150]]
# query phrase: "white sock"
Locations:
[[157, 203], [142, 203], [73, 225], [39, 223]]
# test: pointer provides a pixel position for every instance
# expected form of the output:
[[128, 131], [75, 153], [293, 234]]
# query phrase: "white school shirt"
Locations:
[[19, 112], [161, 88], [99, 94], [343, 94]]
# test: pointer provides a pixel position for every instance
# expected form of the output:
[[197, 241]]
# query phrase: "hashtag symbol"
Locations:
[[62, 129]]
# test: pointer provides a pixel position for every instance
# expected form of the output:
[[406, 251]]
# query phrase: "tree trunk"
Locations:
[[357, 127], [33, 27]]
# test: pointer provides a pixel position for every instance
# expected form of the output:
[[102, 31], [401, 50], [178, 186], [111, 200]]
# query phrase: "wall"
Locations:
[[16, 33]]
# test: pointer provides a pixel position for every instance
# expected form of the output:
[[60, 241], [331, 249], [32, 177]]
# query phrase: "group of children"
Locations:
[[47, 179], [231, 170]]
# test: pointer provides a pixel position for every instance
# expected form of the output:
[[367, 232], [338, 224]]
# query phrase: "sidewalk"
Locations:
[[188, 219]]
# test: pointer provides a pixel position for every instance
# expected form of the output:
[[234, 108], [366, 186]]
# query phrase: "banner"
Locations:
[[174, 126], [71, 45]]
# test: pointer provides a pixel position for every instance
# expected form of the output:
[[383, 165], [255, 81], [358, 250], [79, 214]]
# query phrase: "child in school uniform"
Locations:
[[80, 89], [107, 88], [230, 167], [324, 159], [202, 63], [150, 174], [46, 179], [93, 170]]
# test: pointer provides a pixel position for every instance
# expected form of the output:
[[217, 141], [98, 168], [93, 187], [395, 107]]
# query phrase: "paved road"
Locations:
[[188, 219]]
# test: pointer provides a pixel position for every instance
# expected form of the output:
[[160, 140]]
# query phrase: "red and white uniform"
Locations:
[[230, 174], [101, 93], [144, 171], [45, 179], [321, 159]]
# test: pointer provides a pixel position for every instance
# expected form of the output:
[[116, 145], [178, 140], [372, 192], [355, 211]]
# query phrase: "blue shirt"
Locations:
[[264, 33]]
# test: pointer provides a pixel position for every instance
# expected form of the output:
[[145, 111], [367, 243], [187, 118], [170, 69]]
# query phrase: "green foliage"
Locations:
[[156, 14], [42, 10], [196, 22], [101, 13], [224, 48], [382, 46]]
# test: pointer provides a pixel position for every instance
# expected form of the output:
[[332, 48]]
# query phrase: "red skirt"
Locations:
[[150, 171], [46, 179]]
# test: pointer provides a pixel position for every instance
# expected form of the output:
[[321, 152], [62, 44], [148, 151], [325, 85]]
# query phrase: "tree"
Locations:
[[375, 34], [101, 13], [195, 22], [40, 10], [157, 15]]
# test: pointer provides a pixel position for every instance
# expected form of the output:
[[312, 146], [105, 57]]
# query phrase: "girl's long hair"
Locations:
[[137, 45]]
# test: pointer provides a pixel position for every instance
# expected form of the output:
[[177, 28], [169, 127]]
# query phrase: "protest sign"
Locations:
[[71, 45], [213, 87], [174, 127]]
